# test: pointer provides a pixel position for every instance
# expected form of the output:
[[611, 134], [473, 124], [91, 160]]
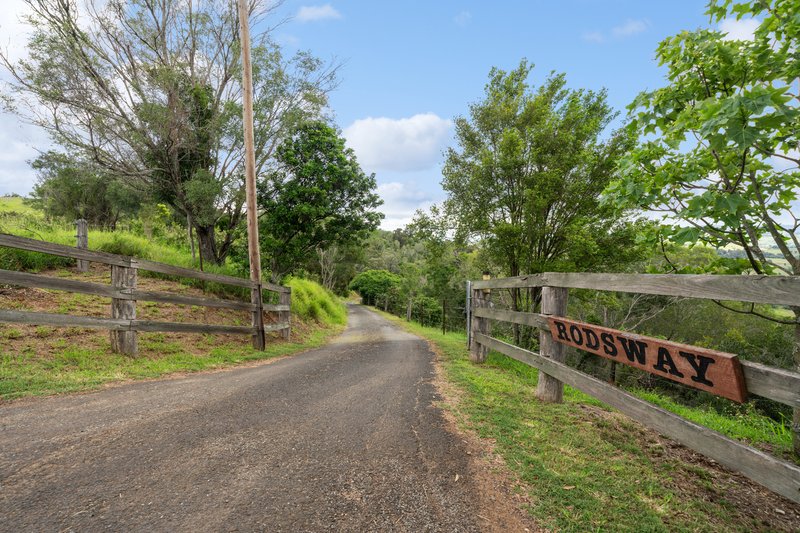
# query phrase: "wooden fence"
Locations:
[[124, 294], [780, 385]]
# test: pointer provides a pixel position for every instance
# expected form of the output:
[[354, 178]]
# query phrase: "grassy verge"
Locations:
[[586, 467], [45, 360], [71, 367]]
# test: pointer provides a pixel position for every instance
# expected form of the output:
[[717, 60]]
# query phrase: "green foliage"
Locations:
[[319, 197], [374, 285], [110, 241], [529, 173], [311, 301], [584, 467], [168, 118], [718, 149], [71, 188]]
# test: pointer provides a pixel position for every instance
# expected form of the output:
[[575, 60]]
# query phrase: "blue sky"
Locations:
[[410, 67]]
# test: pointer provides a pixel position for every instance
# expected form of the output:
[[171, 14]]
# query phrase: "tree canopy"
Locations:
[[718, 154], [372, 284], [74, 189], [317, 197], [718, 149], [528, 173], [150, 91]]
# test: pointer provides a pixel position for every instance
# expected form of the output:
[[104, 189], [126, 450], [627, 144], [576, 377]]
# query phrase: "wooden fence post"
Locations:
[[257, 299], [444, 316], [82, 235], [480, 298], [468, 312], [124, 341], [286, 316], [554, 302]]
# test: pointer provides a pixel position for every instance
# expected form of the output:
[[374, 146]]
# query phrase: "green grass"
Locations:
[[18, 205], [312, 301], [71, 368], [585, 467], [32, 225]]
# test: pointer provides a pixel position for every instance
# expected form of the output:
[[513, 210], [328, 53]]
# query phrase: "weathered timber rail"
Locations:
[[124, 294], [776, 384]]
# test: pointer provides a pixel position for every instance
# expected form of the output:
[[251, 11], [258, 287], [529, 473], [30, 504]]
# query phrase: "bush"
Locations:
[[311, 301]]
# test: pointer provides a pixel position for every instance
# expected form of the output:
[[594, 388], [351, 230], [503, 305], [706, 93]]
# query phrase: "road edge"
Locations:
[[503, 497]]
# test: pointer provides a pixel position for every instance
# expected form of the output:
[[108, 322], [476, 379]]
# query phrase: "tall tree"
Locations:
[[150, 91], [528, 174], [719, 149], [317, 197]]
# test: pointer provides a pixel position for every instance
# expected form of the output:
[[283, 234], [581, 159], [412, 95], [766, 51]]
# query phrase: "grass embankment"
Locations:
[[587, 468], [38, 360], [45, 360], [18, 217]]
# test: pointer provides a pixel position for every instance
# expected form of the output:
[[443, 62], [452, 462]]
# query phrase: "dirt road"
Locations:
[[341, 438]]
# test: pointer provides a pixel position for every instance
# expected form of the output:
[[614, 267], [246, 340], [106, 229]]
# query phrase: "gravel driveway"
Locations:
[[341, 438]]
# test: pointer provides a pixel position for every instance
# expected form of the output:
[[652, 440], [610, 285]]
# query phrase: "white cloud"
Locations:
[[594, 37], [463, 18], [19, 143], [630, 27], [402, 145], [781, 164], [400, 201], [739, 30], [13, 31], [288, 39], [314, 13]]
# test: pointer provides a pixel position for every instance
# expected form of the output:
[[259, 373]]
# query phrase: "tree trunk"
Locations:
[[206, 240], [516, 307], [191, 236], [408, 309]]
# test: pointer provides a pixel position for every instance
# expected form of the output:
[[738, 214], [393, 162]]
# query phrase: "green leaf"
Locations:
[[686, 235], [743, 136]]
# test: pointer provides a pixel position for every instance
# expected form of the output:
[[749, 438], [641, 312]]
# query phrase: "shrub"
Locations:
[[311, 301]]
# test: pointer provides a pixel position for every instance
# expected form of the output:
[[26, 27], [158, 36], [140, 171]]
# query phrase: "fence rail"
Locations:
[[778, 290], [124, 294], [777, 384]]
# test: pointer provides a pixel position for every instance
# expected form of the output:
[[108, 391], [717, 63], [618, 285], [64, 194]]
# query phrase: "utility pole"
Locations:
[[254, 252]]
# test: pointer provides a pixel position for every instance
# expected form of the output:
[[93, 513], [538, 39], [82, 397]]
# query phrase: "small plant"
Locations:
[[12, 333]]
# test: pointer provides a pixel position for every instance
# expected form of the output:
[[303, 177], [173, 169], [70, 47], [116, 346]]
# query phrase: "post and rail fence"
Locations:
[[124, 294], [716, 372]]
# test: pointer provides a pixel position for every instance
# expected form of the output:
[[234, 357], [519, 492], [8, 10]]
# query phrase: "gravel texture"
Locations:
[[341, 438]]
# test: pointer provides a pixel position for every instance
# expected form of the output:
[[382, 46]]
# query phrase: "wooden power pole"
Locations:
[[254, 252]]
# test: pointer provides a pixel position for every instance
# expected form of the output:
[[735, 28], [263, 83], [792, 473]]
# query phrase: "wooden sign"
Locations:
[[715, 372]]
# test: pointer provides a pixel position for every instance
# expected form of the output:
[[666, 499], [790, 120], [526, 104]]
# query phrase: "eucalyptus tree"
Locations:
[[718, 154], [150, 90]]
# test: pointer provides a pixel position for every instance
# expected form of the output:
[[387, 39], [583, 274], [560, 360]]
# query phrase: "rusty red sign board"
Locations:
[[715, 372]]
